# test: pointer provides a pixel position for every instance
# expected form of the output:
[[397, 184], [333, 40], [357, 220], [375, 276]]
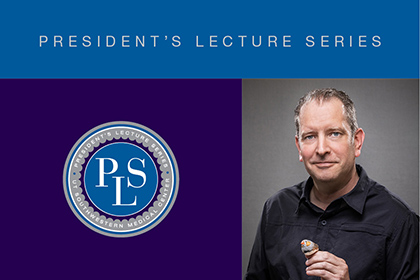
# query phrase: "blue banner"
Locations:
[[234, 39]]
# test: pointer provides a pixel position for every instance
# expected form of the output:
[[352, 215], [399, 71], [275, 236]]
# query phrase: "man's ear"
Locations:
[[298, 147], [359, 138]]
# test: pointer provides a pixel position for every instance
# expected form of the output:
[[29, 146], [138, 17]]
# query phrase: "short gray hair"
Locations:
[[327, 94]]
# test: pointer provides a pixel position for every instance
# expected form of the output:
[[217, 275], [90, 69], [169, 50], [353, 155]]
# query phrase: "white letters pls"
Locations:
[[132, 171]]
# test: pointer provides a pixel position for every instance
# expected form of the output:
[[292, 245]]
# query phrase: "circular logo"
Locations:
[[121, 179]]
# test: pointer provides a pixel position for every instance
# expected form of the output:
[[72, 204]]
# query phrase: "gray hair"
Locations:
[[327, 94]]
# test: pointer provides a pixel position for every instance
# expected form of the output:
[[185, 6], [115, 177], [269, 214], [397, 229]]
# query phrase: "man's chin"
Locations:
[[323, 175]]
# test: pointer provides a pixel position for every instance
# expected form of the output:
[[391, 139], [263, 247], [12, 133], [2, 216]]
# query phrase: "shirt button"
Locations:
[[323, 222]]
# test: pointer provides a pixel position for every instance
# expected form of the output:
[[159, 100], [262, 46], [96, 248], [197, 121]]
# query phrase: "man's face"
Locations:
[[325, 145]]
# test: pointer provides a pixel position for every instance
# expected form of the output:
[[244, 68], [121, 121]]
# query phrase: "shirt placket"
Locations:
[[325, 220], [322, 231]]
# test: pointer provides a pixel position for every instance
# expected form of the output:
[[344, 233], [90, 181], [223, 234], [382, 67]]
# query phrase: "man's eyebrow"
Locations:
[[336, 128], [307, 132], [341, 129]]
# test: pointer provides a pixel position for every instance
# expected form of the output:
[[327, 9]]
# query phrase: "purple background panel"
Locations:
[[199, 119]]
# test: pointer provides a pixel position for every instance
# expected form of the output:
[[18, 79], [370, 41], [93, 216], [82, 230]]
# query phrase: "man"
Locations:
[[363, 231]]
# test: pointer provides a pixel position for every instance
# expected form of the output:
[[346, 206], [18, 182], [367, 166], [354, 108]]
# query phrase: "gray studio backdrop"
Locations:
[[387, 110]]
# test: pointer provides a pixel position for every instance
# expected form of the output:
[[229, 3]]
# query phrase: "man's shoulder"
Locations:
[[382, 196], [293, 191], [288, 196]]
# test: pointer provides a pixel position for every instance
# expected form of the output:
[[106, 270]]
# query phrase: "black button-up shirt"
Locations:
[[375, 232]]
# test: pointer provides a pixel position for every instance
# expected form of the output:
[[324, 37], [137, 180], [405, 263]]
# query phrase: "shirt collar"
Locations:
[[356, 198]]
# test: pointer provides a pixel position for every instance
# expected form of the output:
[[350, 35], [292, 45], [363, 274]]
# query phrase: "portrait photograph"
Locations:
[[284, 154]]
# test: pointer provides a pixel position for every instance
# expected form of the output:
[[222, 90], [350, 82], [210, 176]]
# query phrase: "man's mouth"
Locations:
[[324, 164]]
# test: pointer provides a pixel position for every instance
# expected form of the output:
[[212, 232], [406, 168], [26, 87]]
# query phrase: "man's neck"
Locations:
[[322, 194]]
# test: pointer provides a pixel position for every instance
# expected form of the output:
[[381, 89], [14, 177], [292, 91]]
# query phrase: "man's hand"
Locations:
[[327, 266]]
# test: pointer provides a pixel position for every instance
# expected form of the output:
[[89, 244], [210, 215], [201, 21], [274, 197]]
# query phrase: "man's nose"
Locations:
[[323, 147]]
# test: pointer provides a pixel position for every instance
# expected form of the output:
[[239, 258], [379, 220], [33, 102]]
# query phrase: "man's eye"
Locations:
[[335, 134], [309, 137]]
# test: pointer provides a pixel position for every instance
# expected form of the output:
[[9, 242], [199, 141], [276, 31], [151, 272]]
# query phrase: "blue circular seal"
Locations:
[[121, 179]]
